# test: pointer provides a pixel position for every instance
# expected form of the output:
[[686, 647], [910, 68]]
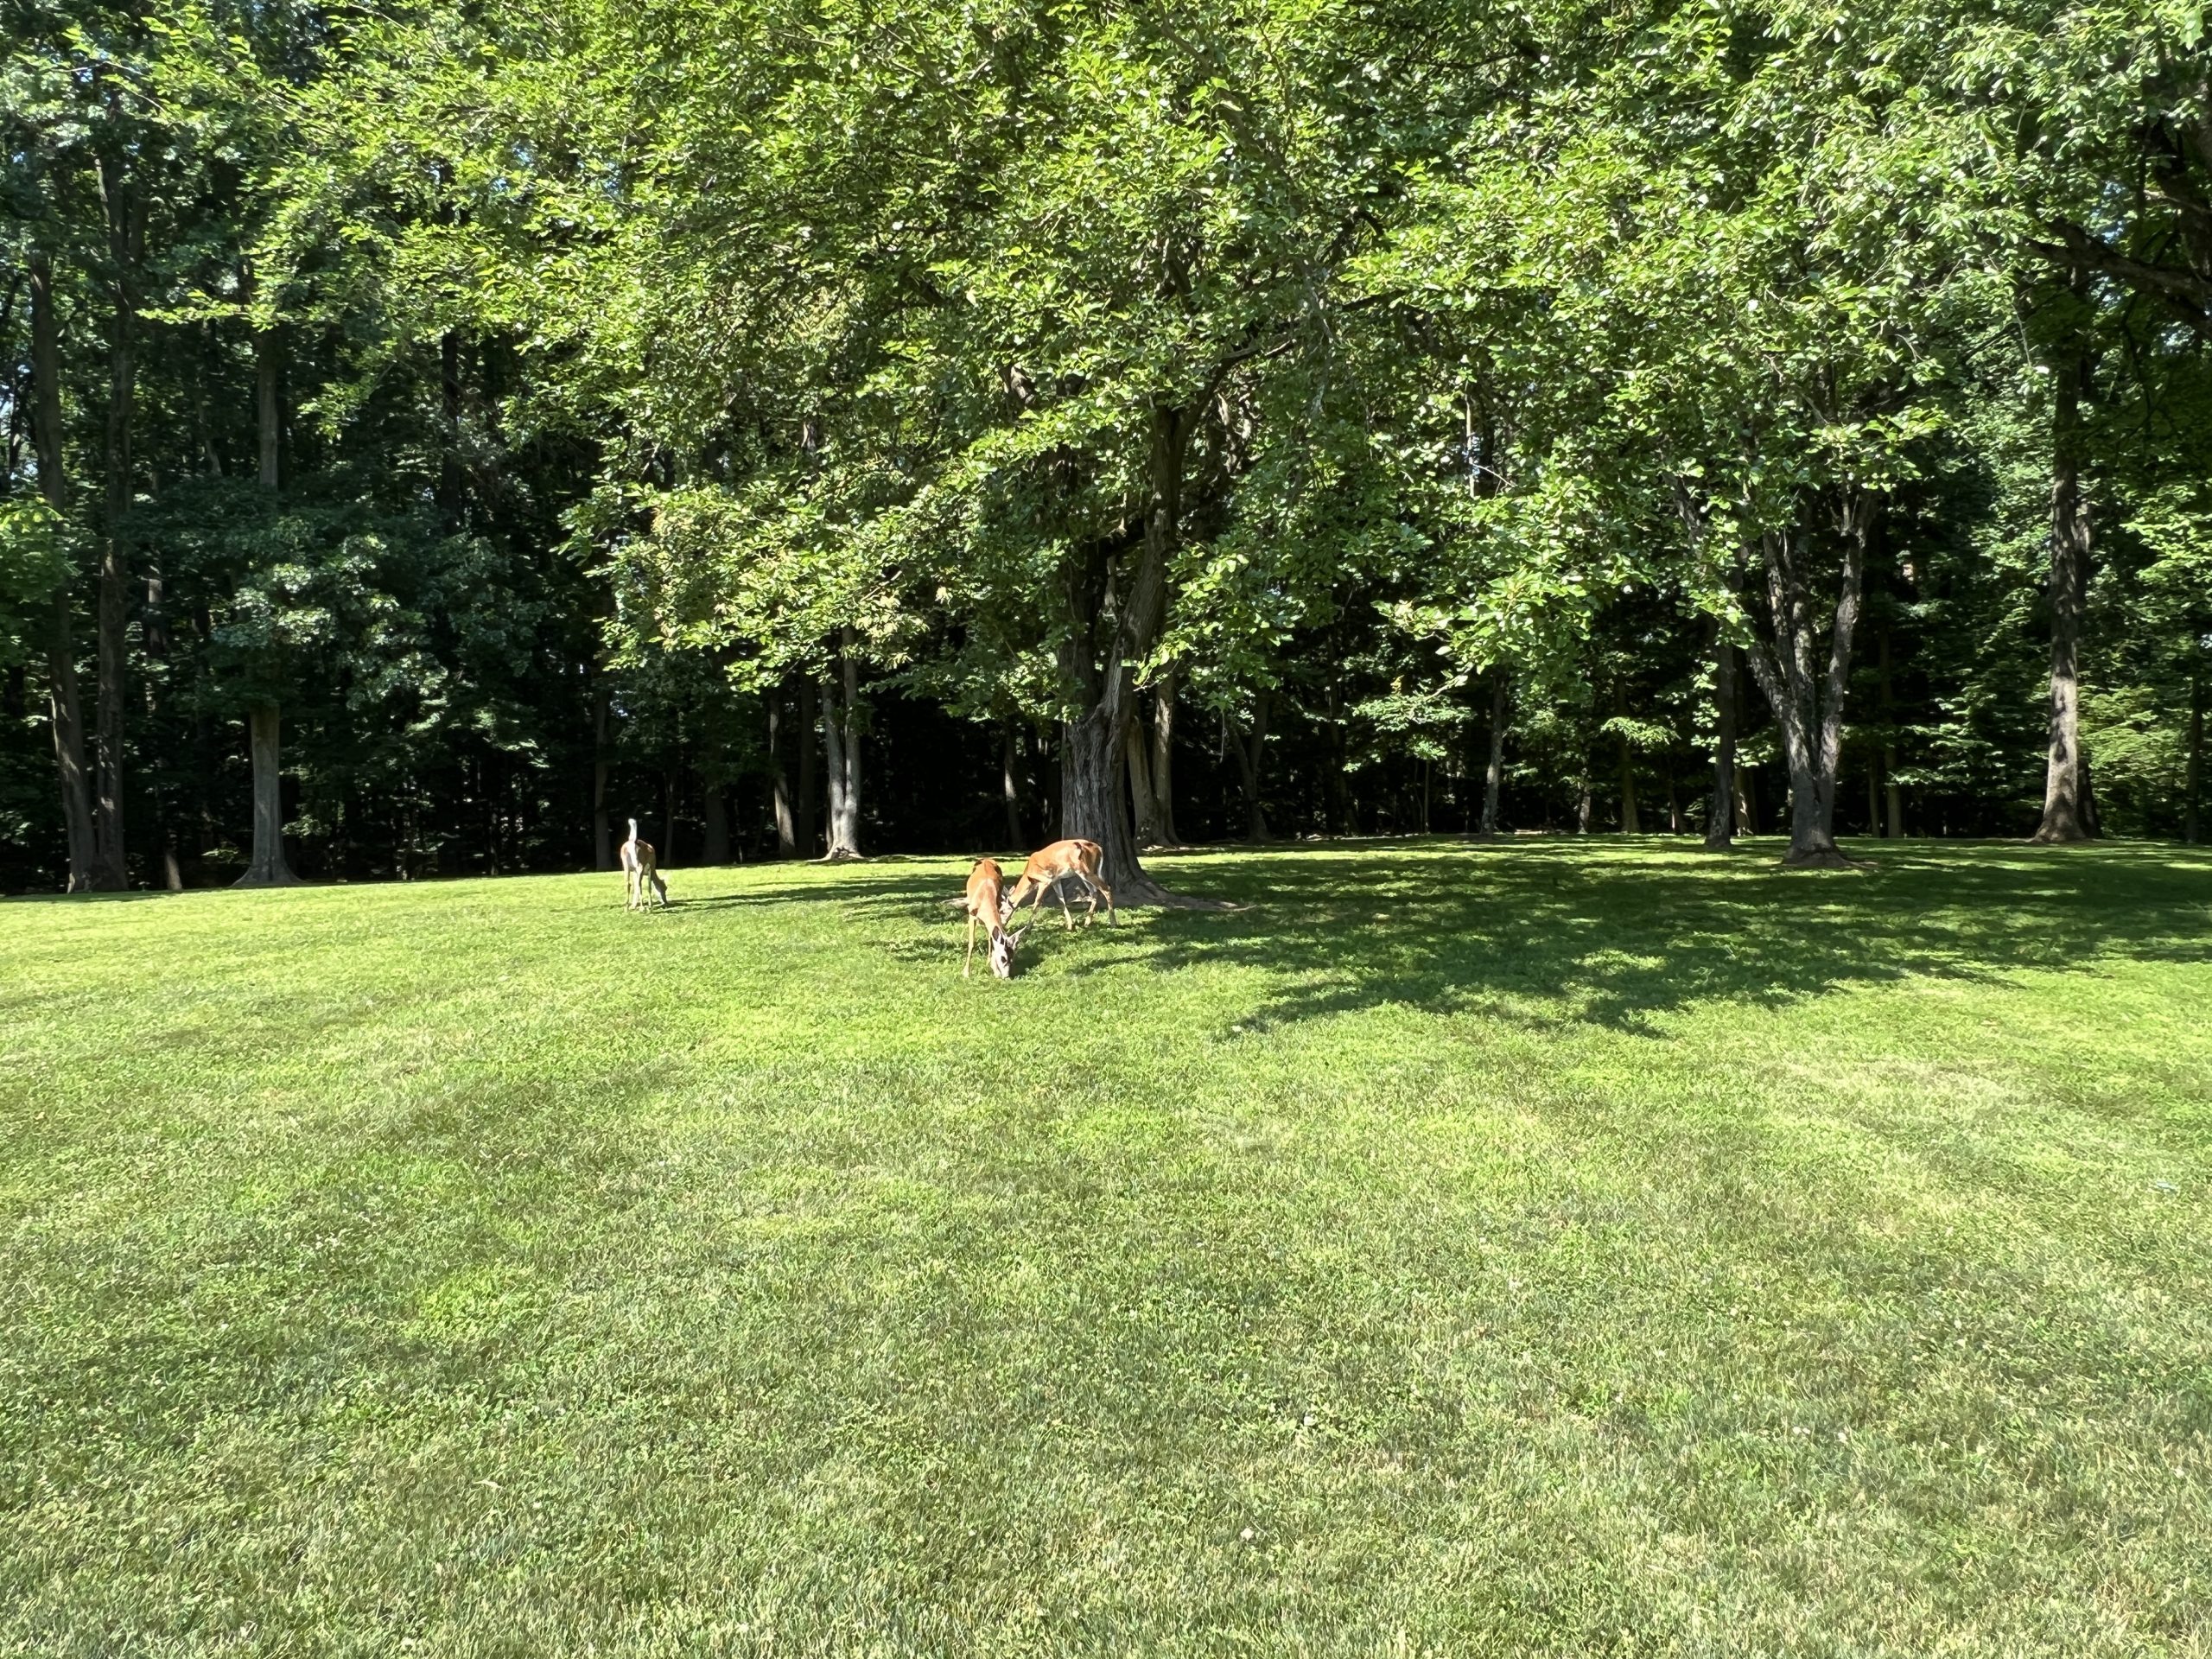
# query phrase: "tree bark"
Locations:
[[1631, 822], [1810, 711], [1163, 757], [2067, 813], [779, 781], [67, 712], [808, 719], [1142, 803], [1115, 602], [1494, 774], [125, 235], [1747, 801], [841, 736], [602, 761], [1720, 816], [268, 868]]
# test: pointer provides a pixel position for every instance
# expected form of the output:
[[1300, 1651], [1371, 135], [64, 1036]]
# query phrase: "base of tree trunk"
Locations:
[[2067, 834], [268, 879], [1720, 843], [842, 855], [1818, 858]]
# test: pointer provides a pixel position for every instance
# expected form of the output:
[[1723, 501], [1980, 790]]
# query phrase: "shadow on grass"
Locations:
[[1616, 934]]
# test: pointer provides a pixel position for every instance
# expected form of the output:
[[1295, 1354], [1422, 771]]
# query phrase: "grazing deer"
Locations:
[[641, 880], [1048, 867], [985, 899]]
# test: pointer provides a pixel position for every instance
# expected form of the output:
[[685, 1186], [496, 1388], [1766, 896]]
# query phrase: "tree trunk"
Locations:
[[1142, 802], [1494, 774], [841, 737], [1582, 809], [1892, 797], [1747, 801], [1674, 801], [268, 868], [1101, 649], [1720, 817], [1632, 824], [1010, 784], [451, 491], [1810, 711], [1163, 757], [1252, 753], [125, 235], [62, 646], [602, 760], [809, 701], [2067, 815], [779, 781]]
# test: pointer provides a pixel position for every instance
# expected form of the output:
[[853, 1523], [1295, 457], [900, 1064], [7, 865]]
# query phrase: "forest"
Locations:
[[437, 434]]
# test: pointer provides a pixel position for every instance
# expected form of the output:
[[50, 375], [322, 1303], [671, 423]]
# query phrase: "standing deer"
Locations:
[[641, 880], [1048, 867], [985, 898]]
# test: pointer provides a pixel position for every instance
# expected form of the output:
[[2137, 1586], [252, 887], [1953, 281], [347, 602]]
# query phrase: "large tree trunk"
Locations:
[[1102, 646], [779, 781], [1720, 816], [1163, 757], [124, 231], [1494, 772], [2067, 813], [602, 761], [1142, 802], [61, 643], [265, 720], [1010, 785], [809, 717], [1809, 710], [841, 735], [268, 868], [1631, 822]]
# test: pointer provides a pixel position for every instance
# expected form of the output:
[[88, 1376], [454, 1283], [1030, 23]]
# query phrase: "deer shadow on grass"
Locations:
[[1558, 932]]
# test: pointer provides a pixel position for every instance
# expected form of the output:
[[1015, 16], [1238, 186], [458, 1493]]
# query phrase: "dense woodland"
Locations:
[[440, 433]]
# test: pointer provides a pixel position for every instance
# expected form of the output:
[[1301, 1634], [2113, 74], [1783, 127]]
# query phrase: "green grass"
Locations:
[[1536, 1247]]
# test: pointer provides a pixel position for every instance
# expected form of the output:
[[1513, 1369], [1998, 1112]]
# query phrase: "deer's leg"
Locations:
[[970, 961]]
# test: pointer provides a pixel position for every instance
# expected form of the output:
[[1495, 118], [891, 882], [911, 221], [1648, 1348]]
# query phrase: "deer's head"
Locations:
[[1003, 946]]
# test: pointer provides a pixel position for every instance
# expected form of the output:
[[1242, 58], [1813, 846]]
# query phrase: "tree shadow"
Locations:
[[1548, 933]]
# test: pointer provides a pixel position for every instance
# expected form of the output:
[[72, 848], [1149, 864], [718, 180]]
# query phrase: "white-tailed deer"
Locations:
[[641, 881], [985, 899], [1049, 866]]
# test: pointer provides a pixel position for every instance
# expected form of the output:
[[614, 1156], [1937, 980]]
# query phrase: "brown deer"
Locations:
[[985, 899], [1049, 866], [641, 880]]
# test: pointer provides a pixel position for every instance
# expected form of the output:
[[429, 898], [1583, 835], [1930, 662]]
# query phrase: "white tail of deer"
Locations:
[[641, 881], [986, 901], [1048, 867]]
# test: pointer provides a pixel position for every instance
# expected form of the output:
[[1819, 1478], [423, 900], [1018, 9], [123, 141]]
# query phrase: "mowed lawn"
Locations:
[[1534, 1247]]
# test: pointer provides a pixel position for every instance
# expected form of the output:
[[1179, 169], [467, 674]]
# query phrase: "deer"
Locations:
[[641, 880], [1048, 867], [985, 900]]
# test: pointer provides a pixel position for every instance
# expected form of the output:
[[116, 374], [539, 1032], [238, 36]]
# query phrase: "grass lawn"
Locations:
[[1540, 1246]]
